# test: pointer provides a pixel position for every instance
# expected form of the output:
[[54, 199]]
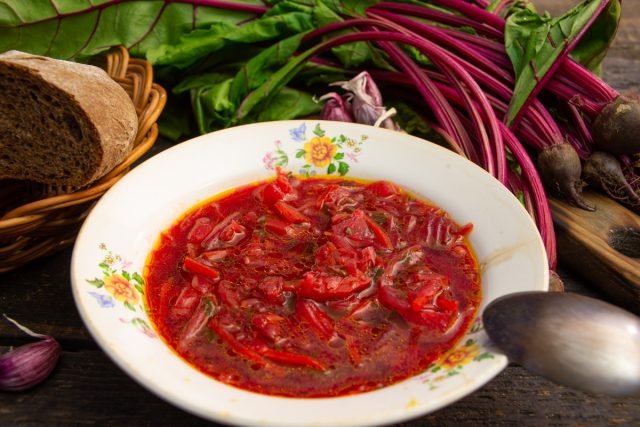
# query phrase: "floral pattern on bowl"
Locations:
[[317, 151], [456, 359], [117, 283], [109, 291]]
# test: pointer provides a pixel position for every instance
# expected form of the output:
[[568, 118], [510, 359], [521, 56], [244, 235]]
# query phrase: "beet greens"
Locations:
[[512, 90]]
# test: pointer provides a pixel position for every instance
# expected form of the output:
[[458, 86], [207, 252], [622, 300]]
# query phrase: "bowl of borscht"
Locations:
[[304, 273]]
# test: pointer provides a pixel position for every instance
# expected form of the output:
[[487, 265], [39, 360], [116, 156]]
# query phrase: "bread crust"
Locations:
[[95, 107]]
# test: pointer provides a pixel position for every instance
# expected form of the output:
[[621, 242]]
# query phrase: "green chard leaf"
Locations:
[[593, 46], [284, 6], [82, 28], [313, 73], [191, 47], [351, 55], [212, 106], [417, 55], [215, 110], [287, 104], [492, 6], [411, 122], [259, 68], [217, 96], [351, 8], [200, 43], [272, 84], [196, 81], [508, 7], [534, 43]]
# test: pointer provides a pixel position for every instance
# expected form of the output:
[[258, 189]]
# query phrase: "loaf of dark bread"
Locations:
[[61, 123]]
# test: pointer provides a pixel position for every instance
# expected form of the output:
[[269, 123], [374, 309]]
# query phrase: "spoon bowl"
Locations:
[[574, 340]]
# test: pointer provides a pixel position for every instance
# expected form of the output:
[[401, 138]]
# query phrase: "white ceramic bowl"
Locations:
[[119, 233]]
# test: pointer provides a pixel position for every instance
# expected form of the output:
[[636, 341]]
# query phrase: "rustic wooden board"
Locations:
[[603, 246]]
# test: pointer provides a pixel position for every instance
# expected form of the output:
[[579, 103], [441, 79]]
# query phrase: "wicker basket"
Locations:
[[36, 220]]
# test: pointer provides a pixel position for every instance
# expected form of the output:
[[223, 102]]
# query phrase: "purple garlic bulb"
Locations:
[[335, 108], [366, 102]]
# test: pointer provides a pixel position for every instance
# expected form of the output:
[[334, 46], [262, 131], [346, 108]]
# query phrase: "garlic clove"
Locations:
[[25, 366], [366, 105], [335, 108]]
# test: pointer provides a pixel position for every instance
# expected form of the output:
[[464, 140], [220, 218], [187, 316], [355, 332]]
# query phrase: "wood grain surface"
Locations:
[[604, 245], [87, 388]]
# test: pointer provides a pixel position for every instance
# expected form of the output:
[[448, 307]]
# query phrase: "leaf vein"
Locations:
[[55, 35], [92, 8], [8, 5], [90, 37], [151, 27], [194, 17], [55, 7]]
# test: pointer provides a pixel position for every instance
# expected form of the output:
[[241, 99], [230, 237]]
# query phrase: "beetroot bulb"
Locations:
[[603, 170], [616, 128], [560, 170]]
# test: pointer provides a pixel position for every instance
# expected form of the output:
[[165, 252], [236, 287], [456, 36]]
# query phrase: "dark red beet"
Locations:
[[602, 170], [560, 170], [617, 128]]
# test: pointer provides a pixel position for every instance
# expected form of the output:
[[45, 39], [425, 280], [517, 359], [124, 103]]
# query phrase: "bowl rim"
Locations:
[[401, 414]]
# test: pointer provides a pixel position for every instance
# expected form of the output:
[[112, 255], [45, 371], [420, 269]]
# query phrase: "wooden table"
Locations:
[[88, 389]]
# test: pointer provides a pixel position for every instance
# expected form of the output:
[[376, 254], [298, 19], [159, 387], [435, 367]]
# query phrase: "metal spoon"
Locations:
[[571, 339]]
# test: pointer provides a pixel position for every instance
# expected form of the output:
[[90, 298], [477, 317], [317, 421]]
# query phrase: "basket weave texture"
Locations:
[[37, 220]]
